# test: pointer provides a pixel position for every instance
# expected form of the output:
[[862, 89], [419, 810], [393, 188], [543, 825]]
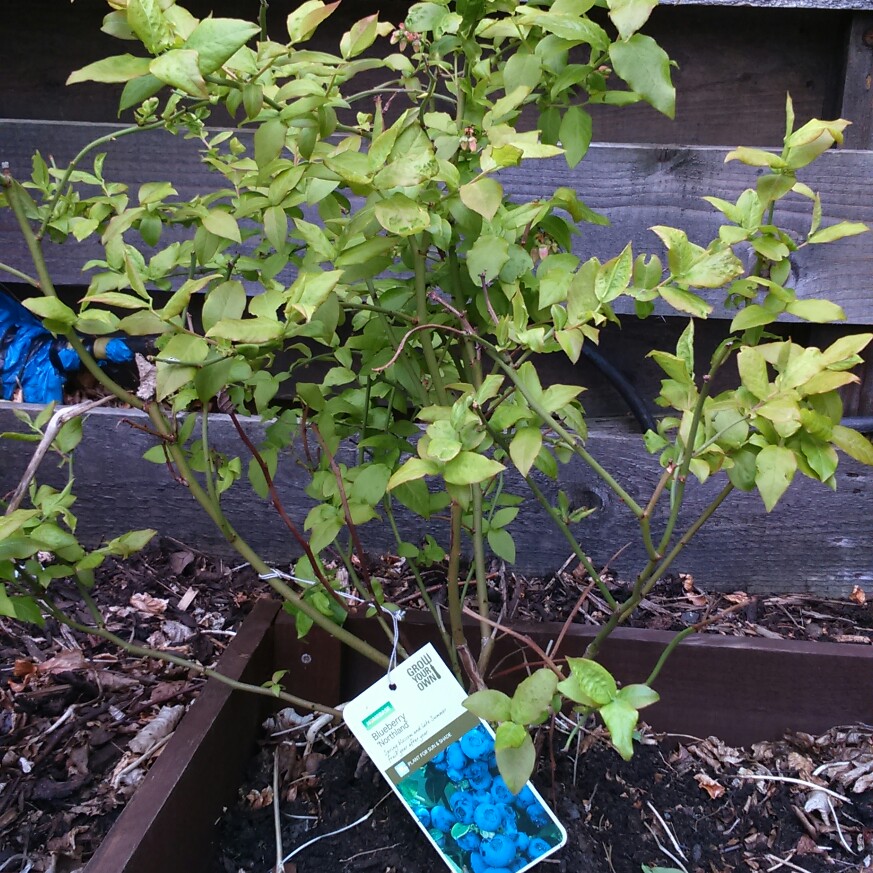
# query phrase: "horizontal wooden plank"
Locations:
[[737, 91], [797, 685], [834, 5], [815, 540], [634, 186]]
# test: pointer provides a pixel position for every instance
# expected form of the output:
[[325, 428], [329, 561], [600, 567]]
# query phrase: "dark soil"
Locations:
[[72, 704], [616, 812]]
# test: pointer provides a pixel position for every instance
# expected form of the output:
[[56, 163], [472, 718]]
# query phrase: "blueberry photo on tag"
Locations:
[[439, 759]]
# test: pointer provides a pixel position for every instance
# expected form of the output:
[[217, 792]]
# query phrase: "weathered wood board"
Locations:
[[636, 187], [740, 88], [814, 541]]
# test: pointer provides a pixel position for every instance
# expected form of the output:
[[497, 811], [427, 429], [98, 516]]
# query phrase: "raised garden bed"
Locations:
[[742, 690]]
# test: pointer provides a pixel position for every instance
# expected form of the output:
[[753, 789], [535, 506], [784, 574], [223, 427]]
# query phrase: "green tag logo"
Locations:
[[378, 716]]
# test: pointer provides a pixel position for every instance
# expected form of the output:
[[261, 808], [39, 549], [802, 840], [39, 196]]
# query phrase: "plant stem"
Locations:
[[143, 652], [419, 252], [19, 275], [262, 19], [650, 575], [456, 620], [487, 636], [14, 197], [251, 556], [668, 650], [562, 526], [571, 441]]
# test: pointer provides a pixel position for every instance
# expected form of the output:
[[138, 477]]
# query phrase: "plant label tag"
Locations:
[[439, 759]]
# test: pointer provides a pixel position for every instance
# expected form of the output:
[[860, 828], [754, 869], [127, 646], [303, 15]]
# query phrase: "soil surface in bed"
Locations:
[[695, 806], [81, 722]]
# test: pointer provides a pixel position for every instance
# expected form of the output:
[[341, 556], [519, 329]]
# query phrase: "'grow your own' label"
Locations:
[[439, 759]]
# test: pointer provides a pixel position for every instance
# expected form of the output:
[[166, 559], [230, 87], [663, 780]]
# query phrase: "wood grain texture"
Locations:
[[857, 97], [815, 541], [741, 689], [833, 5], [737, 90], [169, 823], [634, 186]]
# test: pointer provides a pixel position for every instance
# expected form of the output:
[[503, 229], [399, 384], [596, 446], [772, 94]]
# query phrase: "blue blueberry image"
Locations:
[[463, 806], [498, 851], [525, 797], [477, 862], [488, 817], [422, 813], [536, 814], [500, 792], [470, 841], [537, 848], [509, 825], [455, 759], [522, 841], [477, 743], [441, 819], [478, 775]]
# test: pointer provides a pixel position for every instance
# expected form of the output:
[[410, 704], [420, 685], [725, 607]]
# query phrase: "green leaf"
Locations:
[[370, 484], [516, 763], [138, 90], [502, 544], [487, 258], [483, 196], [629, 16], [530, 703], [216, 376], [303, 21], [469, 468], [119, 68], [246, 330], [510, 735], [269, 141], [753, 372], [488, 704], [614, 276], [638, 696], [128, 543], [572, 690], [594, 680], [361, 36], [227, 300], [743, 471], [401, 215], [818, 311], [685, 301], [525, 447], [620, 720], [51, 309], [180, 68], [854, 444], [776, 466], [147, 20], [753, 315], [845, 348], [217, 40], [222, 224], [414, 468], [645, 66], [575, 134], [838, 231]]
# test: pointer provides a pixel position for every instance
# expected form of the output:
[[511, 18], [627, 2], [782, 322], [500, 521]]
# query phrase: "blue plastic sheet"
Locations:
[[36, 363]]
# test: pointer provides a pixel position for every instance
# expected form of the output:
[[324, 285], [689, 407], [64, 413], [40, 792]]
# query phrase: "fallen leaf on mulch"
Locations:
[[858, 596], [163, 724], [709, 785], [149, 605]]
